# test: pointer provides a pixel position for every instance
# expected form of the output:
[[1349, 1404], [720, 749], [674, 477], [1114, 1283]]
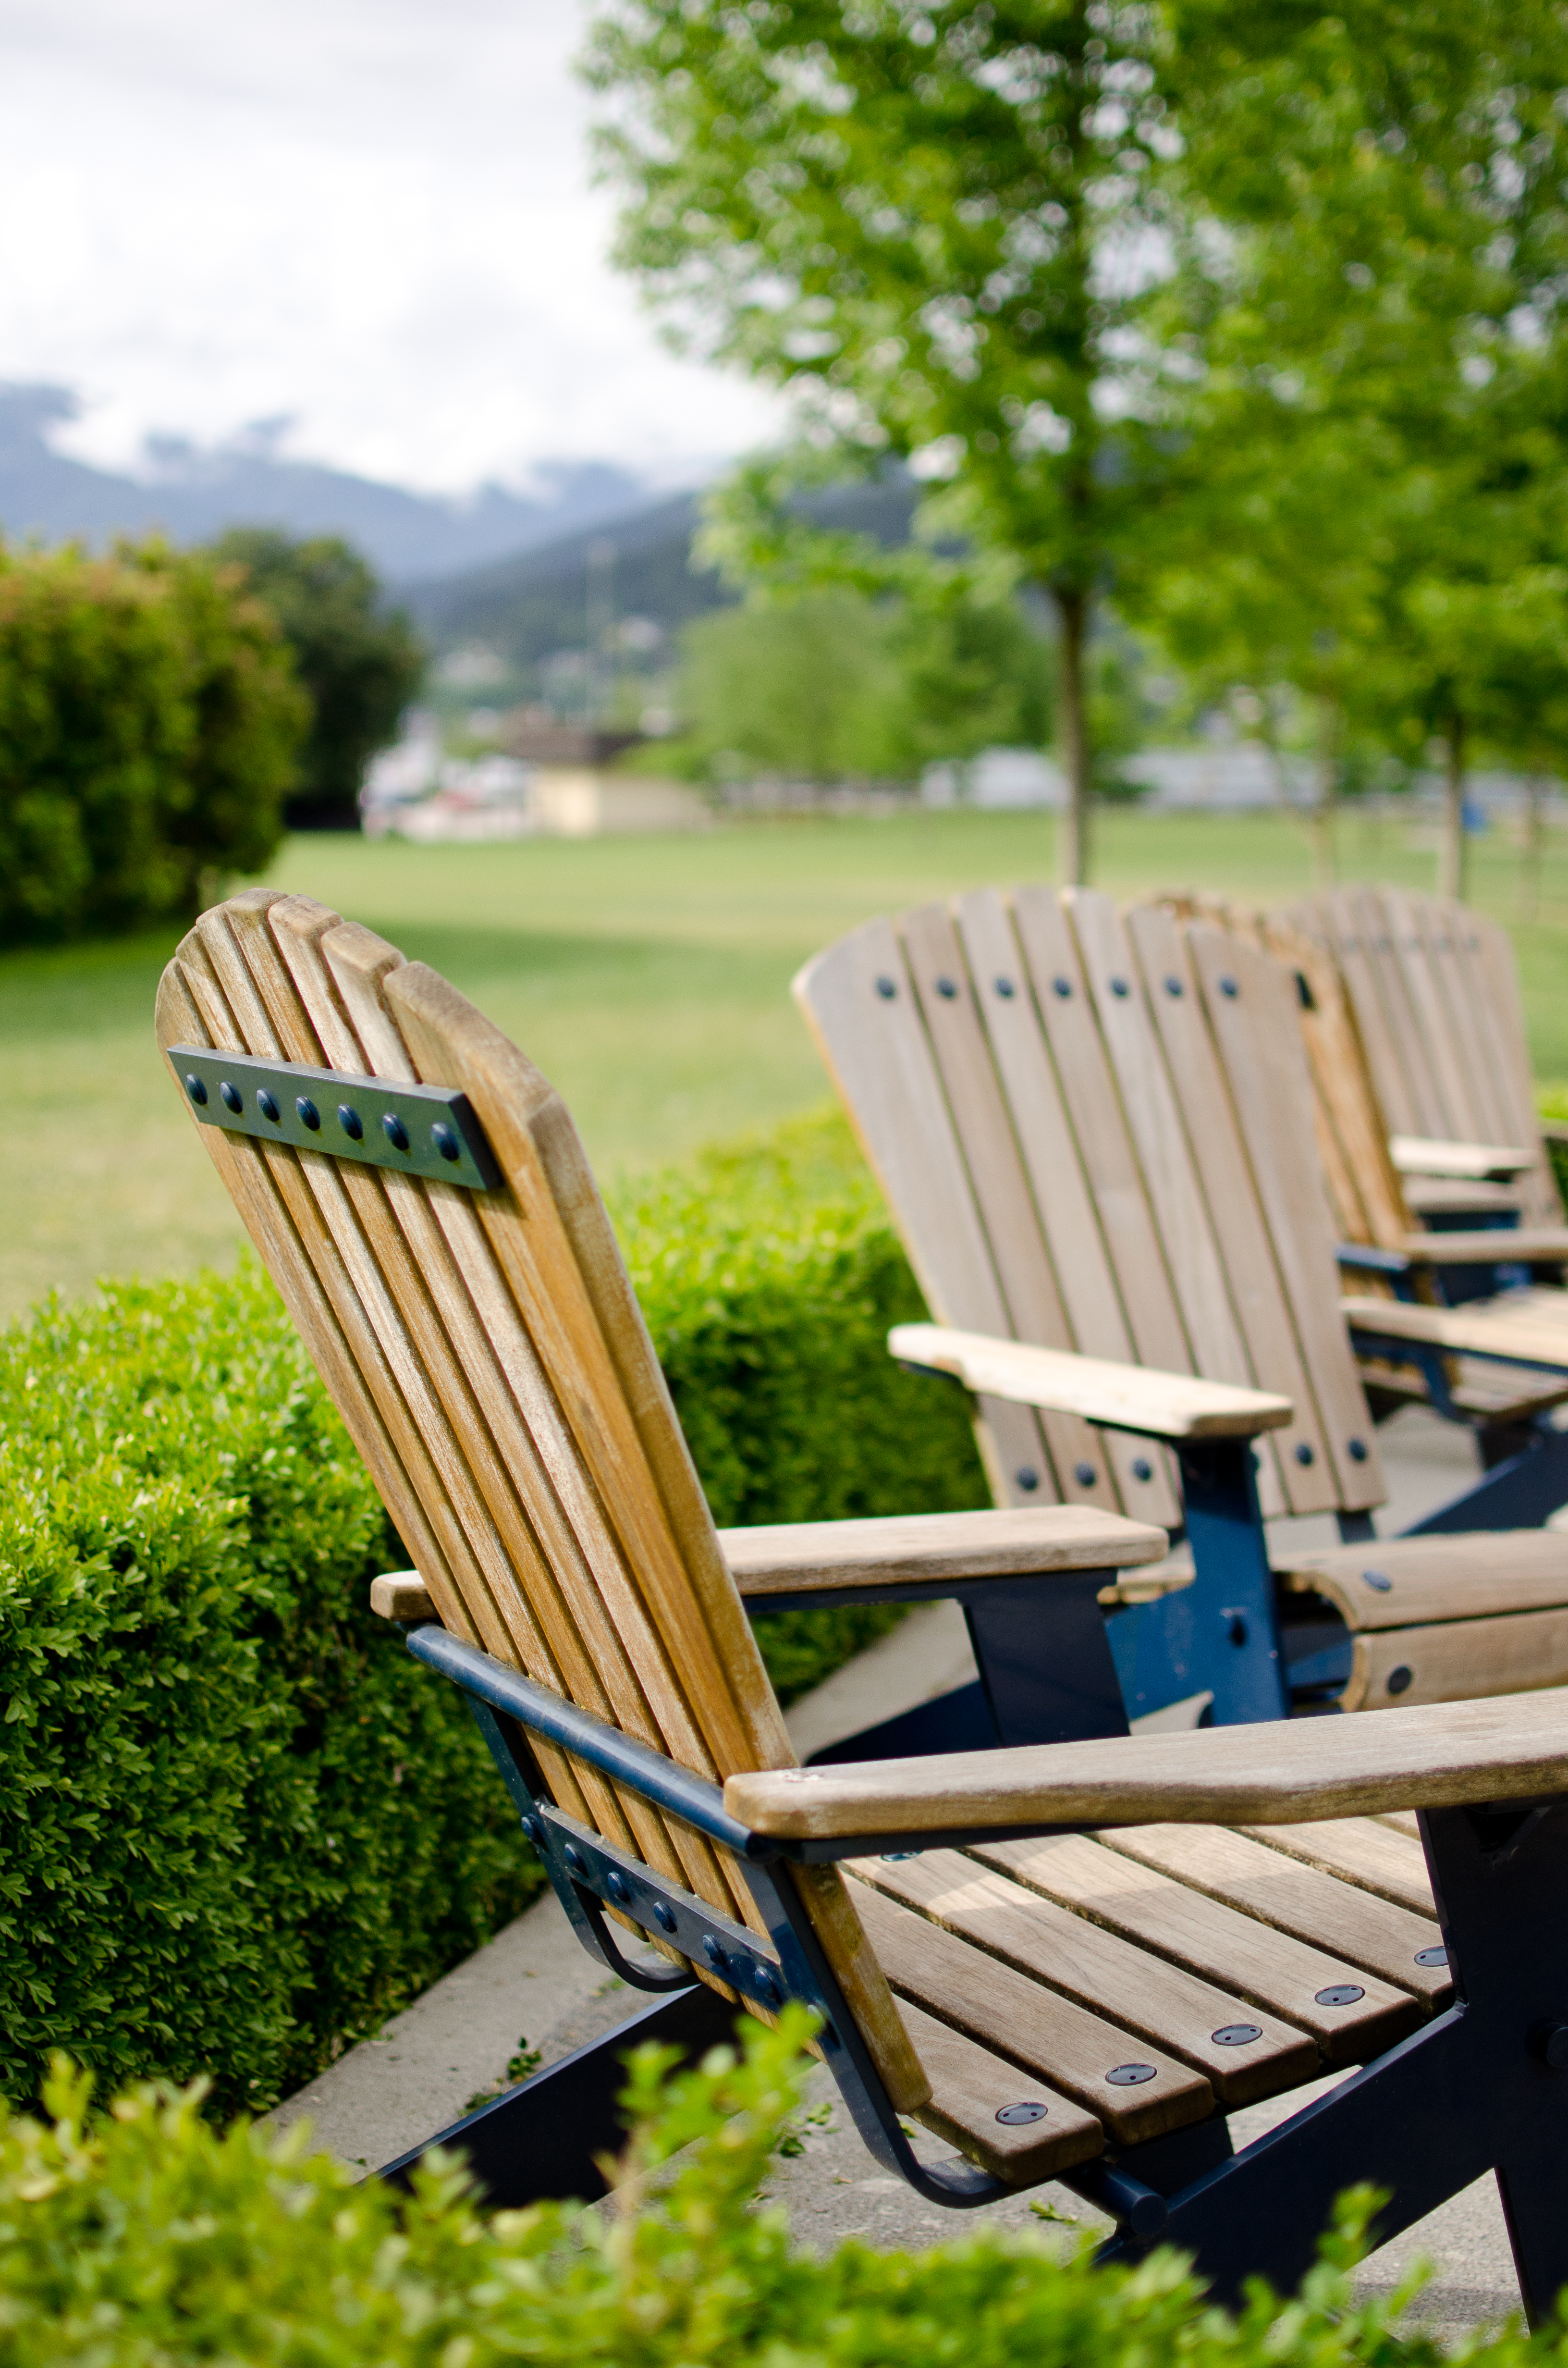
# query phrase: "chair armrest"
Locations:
[[1495, 1332], [787, 1557], [1471, 1163], [1127, 1397], [1553, 1130], [1369, 1260], [1489, 1246], [1278, 1772], [401, 1594]]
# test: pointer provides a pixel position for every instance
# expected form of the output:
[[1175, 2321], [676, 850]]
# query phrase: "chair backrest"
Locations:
[[487, 1353], [1437, 999], [1095, 1132]]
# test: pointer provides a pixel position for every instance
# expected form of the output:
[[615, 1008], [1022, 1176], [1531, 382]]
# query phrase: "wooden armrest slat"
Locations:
[[1130, 1397], [1504, 1328], [1415, 1155], [1279, 1773], [1488, 1246], [1401, 1582], [777, 1558]]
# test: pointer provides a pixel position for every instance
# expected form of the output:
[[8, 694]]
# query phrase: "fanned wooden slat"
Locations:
[[1249, 1002], [1273, 1971], [1020, 1258], [1160, 2002], [859, 1001], [1384, 1855], [1369, 1933], [1034, 2027], [1273, 1356]]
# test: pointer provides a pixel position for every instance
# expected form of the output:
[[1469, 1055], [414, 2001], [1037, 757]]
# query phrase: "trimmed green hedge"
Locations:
[[238, 1825], [147, 2241]]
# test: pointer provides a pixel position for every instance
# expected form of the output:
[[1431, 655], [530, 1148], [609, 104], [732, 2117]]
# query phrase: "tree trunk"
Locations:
[[1323, 811], [1534, 847], [1073, 845], [1453, 852]]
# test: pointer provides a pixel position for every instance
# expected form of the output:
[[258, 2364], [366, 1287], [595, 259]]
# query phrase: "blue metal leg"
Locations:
[[1520, 1494], [1220, 1635], [542, 2139]]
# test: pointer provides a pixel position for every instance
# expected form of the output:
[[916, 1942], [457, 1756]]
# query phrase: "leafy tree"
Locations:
[[931, 221], [1375, 501], [359, 664], [832, 683], [149, 729]]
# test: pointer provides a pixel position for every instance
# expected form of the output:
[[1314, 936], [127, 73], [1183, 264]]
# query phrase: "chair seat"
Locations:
[[1133, 1982]]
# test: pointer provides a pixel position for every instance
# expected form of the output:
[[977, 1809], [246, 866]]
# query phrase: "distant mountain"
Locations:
[[529, 606], [192, 493]]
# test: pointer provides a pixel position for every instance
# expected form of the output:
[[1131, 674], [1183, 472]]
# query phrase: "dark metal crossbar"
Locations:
[[429, 1131], [1481, 2086]]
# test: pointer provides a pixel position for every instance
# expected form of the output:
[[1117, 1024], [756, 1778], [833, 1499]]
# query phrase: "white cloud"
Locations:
[[373, 215]]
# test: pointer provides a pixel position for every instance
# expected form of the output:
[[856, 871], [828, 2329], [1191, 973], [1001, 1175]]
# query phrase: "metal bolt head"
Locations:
[[231, 1098], [1356, 1449], [446, 1142], [1130, 2076], [576, 1862], [1175, 986], [394, 1130], [1431, 1956], [195, 1089], [1084, 1475], [1141, 1468], [1005, 989], [349, 1120], [266, 1105], [1118, 988], [1400, 1680], [664, 1915], [1339, 1993], [767, 1987], [946, 989], [714, 1952], [1305, 1452], [1062, 986], [618, 1887], [535, 1831], [887, 988], [1028, 2109], [1229, 989], [1237, 2035], [307, 1113], [1379, 1580], [1027, 1477]]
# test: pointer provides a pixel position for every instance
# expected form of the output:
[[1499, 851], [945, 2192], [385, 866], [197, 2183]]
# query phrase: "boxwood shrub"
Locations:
[[148, 2241], [238, 1824]]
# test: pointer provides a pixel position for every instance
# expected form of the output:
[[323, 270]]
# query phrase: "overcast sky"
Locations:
[[374, 215]]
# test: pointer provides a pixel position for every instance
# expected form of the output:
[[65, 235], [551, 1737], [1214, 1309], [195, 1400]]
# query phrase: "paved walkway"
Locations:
[[533, 1985]]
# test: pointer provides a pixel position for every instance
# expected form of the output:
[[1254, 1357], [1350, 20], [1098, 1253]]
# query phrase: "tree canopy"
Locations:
[[359, 664]]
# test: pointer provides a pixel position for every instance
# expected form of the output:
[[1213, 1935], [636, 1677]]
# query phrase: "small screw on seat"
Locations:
[[1339, 1993], [1026, 1478], [1400, 1680], [1028, 2109], [1237, 2035], [1130, 2076]]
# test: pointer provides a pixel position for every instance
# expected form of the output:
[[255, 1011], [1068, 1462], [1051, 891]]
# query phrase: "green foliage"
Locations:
[[144, 2239], [359, 664], [204, 1733], [149, 725], [832, 683]]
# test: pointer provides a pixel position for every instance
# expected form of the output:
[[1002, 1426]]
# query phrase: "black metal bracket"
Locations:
[[428, 1131]]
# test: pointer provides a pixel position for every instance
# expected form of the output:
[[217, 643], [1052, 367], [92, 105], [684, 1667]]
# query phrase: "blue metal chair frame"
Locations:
[[1481, 2087]]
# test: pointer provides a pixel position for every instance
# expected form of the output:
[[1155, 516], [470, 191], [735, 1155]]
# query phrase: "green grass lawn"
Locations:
[[648, 978]]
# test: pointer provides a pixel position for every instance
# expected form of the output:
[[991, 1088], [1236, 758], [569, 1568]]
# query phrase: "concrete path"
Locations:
[[533, 1987]]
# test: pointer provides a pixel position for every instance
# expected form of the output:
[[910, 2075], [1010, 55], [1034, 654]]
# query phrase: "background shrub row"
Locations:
[[238, 1825]]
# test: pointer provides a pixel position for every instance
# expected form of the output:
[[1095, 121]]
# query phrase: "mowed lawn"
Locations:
[[649, 978]]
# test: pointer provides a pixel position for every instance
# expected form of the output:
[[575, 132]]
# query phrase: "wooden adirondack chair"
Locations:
[[1437, 1000], [1066, 1960], [1448, 1245], [1095, 1133]]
